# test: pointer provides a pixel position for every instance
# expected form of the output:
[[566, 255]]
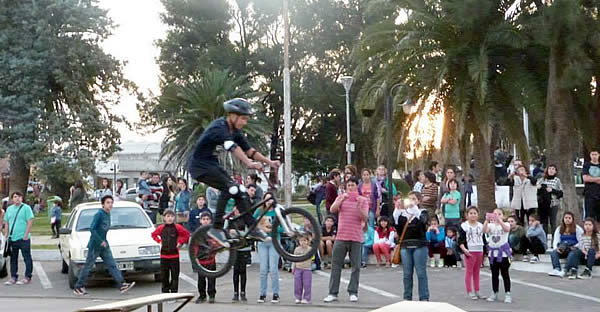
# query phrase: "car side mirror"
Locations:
[[64, 231]]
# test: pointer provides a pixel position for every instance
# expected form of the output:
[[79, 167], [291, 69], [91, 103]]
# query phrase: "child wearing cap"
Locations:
[[170, 236]]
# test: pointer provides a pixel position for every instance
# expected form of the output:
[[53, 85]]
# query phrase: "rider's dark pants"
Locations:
[[217, 177]]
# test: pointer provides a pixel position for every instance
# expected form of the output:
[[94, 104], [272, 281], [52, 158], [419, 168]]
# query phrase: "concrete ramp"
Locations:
[[419, 306]]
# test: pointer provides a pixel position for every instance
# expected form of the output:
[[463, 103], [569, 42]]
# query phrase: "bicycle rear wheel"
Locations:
[[209, 258], [300, 223]]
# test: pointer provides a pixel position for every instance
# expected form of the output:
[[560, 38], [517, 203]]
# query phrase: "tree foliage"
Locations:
[[57, 85], [185, 109], [247, 39]]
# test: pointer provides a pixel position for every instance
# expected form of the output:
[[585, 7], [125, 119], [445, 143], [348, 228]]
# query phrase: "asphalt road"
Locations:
[[379, 287]]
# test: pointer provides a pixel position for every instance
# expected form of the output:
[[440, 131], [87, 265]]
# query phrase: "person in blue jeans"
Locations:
[[269, 258], [414, 249], [586, 251], [19, 219], [98, 247], [565, 239], [369, 238]]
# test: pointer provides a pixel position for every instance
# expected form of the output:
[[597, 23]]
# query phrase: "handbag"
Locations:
[[12, 228], [396, 257]]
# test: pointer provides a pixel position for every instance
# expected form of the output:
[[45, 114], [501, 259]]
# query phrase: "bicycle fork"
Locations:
[[285, 221]]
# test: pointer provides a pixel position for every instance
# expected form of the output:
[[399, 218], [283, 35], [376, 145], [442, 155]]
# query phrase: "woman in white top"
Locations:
[[499, 252], [524, 202], [106, 189], [121, 191]]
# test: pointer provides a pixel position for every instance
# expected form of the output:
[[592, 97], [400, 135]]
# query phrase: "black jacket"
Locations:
[[415, 233]]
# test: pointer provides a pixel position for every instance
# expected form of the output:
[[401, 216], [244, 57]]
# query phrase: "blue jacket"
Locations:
[[98, 229], [182, 201], [57, 212], [432, 238]]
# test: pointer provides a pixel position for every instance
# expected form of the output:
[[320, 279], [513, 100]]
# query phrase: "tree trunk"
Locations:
[[449, 147], [560, 132], [465, 160], [486, 188], [19, 174]]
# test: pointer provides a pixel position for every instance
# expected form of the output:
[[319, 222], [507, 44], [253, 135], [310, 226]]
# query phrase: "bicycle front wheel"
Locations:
[[209, 258], [299, 223]]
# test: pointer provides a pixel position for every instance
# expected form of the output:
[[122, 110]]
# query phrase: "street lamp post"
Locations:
[[347, 83], [388, 111]]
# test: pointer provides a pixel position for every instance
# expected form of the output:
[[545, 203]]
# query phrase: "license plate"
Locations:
[[125, 266]]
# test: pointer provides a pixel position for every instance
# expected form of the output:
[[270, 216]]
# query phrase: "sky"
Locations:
[[138, 27]]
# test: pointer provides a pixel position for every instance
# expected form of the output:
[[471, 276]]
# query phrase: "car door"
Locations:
[[65, 239]]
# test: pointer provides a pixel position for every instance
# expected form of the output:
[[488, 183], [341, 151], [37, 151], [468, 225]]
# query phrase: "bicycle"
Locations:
[[211, 259]]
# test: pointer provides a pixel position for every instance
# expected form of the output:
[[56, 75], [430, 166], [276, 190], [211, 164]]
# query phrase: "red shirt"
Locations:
[[331, 193], [350, 219], [169, 240]]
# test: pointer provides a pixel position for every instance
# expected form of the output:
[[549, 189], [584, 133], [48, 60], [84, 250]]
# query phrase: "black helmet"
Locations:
[[238, 106]]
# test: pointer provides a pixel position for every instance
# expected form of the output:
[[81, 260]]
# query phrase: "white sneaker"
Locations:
[[534, 260], [330, 298], [525, 258], [441, 263], [556, 272], [473, 296], [432, 263], [298, 301], [507, 298], [304, 301], [492, 297], [353, 298], [395, 265]]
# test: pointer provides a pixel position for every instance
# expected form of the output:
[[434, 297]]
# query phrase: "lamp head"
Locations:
[[346, 81]]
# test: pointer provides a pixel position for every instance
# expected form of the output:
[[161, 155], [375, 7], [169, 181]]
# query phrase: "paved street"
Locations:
[[379, 287]]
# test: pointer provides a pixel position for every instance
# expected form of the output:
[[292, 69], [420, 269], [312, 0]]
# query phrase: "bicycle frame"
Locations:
[[278, 212]]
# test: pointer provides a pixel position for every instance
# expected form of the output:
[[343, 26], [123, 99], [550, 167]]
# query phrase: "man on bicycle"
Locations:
[[204, 165]]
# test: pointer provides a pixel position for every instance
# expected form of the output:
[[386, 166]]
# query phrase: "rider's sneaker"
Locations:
[[219, 236], [259, 235]]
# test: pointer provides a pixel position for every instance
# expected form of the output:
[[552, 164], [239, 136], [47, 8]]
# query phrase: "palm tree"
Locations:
[[464, 52], [186, 110], [565, 33]]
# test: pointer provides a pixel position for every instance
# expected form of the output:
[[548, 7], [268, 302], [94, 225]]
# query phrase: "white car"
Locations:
[[129, 238]]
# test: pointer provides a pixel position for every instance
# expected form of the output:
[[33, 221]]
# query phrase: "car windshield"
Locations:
[[120, 218]]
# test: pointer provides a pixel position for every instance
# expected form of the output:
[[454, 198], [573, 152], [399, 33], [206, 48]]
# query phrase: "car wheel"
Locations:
[[157, 277], [65, 267], [72, 276], [3, 269]]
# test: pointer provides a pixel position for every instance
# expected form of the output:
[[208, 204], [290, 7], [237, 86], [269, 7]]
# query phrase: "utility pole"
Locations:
[[287, 114]]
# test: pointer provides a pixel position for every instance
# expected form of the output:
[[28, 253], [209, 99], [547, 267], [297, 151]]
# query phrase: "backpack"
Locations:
[[312, 197]]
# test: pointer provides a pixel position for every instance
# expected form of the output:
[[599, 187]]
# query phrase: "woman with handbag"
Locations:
[[412, 223]]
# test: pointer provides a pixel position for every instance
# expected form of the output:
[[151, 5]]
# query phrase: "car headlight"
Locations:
[[149, 250]]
